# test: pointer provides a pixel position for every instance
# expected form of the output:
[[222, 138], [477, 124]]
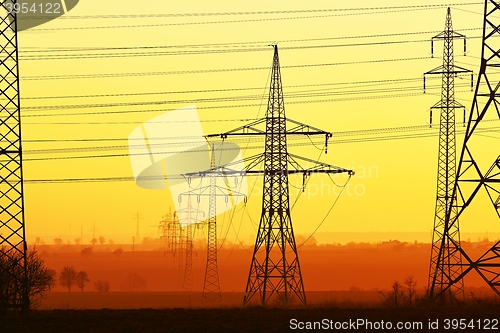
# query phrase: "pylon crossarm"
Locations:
[[205, 191], [442, 70], [449, 34], [248, 129], [254, 161], [317, 167], [252, 129]]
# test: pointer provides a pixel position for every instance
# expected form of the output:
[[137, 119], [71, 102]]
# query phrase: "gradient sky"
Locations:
[[394, 188]]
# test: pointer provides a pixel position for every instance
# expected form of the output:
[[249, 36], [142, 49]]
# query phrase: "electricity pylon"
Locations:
[[275, 268], [446, 260], [479, 165], [188, 282], [13, 245], [188, 222], [171, 230], [211, 286], [137, 217]]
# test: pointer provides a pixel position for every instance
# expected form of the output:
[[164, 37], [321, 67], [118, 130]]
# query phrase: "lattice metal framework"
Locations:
[[188, 282], [13, 245], [188, 222], [211, 286], [479, 166], [173, 236], [446, 260], [275, 269]]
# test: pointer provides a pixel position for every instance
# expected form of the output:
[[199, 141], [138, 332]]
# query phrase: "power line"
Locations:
[[204, 71], [225, 45], [365, 11], [369, 82], [323, 10], [329, 100], [298, 94], [213, 51], [334, 140]]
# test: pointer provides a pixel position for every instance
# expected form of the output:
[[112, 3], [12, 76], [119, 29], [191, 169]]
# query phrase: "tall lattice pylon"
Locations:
[[479, 166], [211, 286], [12, 223], [275, 269], [446, 260], [188, 217], [188, 282]]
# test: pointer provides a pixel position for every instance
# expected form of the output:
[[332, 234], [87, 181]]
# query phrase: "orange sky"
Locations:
[[394, 188]]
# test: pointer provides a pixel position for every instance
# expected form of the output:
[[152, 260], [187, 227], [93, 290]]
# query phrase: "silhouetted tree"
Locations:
[[411, 286], [87, 252], [111, 242], [118, 252], [93, 241], [39, 278], [397, 293], [58, 241], [53, 274], [78, 241], [134, 282], [81, 278], [67, 278], [102, 286], [102, 240]]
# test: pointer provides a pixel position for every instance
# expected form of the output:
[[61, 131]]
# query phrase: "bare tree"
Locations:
[[397, 293], [134, 282], [39, 278], [102, 286], [53, 274], [118, 252], [67, 278], [87, 252], [411, 286], [81, 278]]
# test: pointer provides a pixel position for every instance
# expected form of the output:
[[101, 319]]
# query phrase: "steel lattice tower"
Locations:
[[446, 260], [211, 287], [275, 268], [188, 283], [479, 165], [13, 245], [188, 221]]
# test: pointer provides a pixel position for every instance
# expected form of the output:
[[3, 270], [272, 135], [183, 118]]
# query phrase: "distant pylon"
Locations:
[[479, 165], [188, 221], [211, 285], [275, 269], [446, 260], [13, 245], [188, 283], [171, 230], [137, 217]]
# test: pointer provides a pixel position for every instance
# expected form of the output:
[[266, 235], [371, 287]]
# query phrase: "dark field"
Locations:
[[253, 319]]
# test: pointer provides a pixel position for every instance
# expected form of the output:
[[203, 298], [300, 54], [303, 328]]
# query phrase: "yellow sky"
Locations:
[[394, 188]]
